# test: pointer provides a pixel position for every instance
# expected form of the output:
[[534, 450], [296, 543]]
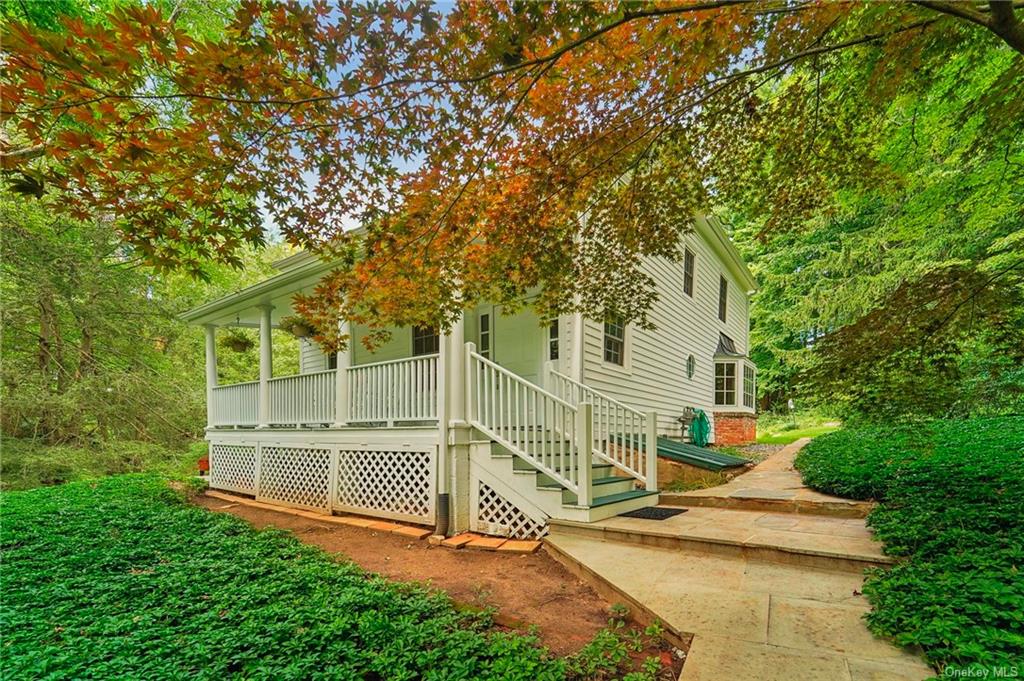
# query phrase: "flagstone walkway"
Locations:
[[767, 595]]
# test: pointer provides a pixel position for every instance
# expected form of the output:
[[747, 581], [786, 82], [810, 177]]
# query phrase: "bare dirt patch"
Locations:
[[525, 589]]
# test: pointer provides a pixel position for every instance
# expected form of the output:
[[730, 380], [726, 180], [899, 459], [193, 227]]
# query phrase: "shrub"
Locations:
[[25, 464], [951, 508]]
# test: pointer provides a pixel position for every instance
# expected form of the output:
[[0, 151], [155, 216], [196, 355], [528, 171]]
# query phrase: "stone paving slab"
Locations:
[[773, 485], [750, 619]]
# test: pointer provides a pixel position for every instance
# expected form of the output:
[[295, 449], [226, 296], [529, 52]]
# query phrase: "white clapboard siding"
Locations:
[[654, 377], [311, 357]]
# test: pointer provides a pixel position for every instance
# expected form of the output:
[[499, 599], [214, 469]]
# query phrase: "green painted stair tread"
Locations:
[[621, 496], [596, 481]]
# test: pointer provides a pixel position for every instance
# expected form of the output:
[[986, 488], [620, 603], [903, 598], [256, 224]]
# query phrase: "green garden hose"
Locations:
[[700, 428]]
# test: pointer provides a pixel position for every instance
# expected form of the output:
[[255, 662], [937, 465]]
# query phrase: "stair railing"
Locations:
[[624, 437], [551, 434]]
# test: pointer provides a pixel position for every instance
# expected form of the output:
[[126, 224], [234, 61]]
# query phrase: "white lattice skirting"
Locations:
[[233, 467], [395, 483], [501, 517]]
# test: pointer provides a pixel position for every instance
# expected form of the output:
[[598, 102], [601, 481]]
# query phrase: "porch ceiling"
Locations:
[[242, 307]]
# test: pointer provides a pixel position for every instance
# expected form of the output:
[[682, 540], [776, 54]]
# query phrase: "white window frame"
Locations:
[[749, 380], [687, 253], [487, 352], [725, 390], [553, 341], [623, 353]]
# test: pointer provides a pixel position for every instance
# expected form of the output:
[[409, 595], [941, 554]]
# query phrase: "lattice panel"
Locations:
[[233, 467], [296, 476], [395, 484], [497, 510]]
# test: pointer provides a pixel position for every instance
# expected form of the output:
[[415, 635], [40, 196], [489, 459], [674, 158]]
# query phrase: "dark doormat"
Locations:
[[654, 513]]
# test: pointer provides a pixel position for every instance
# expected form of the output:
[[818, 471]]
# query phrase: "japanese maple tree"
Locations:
[[489, 151]]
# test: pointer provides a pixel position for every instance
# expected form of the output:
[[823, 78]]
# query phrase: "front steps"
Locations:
[[542, 497]]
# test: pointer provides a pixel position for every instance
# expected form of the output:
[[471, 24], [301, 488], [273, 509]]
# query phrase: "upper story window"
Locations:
[[332, 360], [748, 386], [485, 335], [615, 340], [725, 384], [689, 264], [425, 341], [723, 295], [553, 339]]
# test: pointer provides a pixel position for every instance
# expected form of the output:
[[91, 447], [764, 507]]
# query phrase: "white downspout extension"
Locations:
[[211, 370], [341, 376], [266, 365]]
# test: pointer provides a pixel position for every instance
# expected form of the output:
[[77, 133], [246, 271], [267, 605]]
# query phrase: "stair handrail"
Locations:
[[613, 447], [506, 407]]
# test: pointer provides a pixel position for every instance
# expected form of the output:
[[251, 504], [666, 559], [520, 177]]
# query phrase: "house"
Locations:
[[500, 424]]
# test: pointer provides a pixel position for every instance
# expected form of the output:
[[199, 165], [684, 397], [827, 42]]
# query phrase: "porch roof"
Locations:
[[241, 308]]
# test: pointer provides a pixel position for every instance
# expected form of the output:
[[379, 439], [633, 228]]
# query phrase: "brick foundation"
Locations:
[[735, 428]]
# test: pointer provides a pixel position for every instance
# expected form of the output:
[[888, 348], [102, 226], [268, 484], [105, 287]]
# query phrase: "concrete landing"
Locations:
[[829, 543], [750, 619], [773, 485]]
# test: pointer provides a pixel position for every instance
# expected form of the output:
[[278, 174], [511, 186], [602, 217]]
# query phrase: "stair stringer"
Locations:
[[518, 487]]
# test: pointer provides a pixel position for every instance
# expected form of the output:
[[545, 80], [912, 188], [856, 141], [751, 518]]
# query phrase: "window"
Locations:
[[723, 294], [553, 339], [332, 360], [615, 340], [689, 260], [485, 335], [748, 386], [725, 383], [691, 366], [425, 341]]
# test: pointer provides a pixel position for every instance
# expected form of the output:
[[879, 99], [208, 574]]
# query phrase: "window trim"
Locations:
[[624, 340], [725, 390], [553, 341], [418, 334], [749, 380], [723, 297], [488, 334], [689, 275]]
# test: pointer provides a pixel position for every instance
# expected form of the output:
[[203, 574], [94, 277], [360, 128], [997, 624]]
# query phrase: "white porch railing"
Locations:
[[538, 426], [302, 398], [235, 405], [621, 434], [398, 390]]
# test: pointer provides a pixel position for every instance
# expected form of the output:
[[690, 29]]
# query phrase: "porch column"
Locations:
[[266, 365], [341, 376], [211, 369], [456, 367]]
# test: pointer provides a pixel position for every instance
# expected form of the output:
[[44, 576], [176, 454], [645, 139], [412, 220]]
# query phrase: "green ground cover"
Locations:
[[951, 510], [122, 578]]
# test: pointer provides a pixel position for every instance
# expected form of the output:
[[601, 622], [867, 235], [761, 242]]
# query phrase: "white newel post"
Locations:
[[584, 452], [266, 365], [211, 369], [651, 450], [468, 385], [341, 376]]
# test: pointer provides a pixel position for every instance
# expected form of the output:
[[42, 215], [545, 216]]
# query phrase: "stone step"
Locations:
[[746, 619], [755, 501], [826, 543]]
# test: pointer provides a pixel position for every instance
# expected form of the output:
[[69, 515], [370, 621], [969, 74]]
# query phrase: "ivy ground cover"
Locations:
[[122, 578], [951, 509]]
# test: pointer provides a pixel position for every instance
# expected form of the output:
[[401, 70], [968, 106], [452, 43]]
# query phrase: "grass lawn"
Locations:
[[122, 578], [951, 510], [782, 429]]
